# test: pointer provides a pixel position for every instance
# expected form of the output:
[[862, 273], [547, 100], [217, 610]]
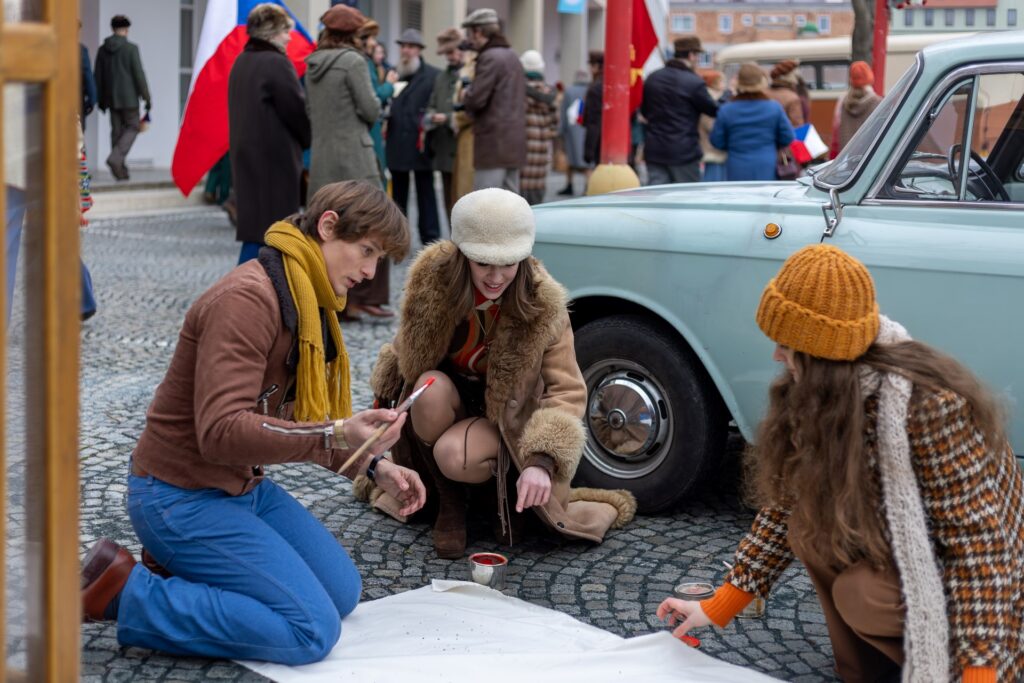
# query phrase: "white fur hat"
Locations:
[[532, 61], [493, 226]]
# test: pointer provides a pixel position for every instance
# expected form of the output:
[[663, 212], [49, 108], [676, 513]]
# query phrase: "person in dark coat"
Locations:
[[571, 130], [120, 84], [406, 149], [674, 99], [440, 121], [88, 85], [496, 99], [268, 128], [592, 110], [752, 128]]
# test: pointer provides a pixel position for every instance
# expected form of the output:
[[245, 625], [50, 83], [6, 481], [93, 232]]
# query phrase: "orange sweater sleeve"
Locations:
[[726, 603], [979, 674]]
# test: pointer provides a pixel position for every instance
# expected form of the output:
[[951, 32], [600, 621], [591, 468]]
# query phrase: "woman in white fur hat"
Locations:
[[484, 319]]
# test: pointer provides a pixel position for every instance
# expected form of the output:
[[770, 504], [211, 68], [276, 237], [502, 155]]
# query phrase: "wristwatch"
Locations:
[[371, 470]]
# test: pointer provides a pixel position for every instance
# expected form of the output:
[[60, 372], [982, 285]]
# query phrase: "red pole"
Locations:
[[879, 46], [615, 120]]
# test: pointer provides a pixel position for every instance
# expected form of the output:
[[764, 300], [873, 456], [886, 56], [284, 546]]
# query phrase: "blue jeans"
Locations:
[[249, 251], [255, 576]]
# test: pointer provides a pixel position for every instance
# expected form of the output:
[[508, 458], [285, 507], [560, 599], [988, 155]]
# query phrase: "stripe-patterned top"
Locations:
[[973, 498], [468, 350]]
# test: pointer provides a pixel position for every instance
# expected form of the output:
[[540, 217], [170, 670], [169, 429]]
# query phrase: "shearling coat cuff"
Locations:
[[386, 380], [555, 433]]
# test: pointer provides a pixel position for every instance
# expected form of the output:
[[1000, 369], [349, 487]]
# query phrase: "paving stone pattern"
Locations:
[[146, 272]]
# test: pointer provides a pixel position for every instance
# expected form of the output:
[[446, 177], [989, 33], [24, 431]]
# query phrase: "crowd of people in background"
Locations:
[[485, 117]]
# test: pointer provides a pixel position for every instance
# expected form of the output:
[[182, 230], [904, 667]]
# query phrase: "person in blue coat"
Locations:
[[751, 128]]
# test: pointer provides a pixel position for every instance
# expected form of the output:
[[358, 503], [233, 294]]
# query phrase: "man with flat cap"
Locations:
[[406, 146], [120, 84], [674, 98], [497, 101]]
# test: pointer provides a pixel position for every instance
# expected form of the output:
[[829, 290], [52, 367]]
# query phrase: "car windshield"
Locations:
[[846, 164]]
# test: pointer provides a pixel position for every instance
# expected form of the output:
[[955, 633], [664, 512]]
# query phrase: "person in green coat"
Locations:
[[439, 118], [121, 83], [384, 91]]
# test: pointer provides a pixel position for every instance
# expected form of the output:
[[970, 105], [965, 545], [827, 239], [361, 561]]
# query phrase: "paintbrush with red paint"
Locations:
[[405, 405]]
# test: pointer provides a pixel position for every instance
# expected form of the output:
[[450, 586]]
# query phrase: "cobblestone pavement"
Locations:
[[147, 271]]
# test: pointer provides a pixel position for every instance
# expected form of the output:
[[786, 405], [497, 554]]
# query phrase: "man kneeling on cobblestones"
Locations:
[[233, 566]]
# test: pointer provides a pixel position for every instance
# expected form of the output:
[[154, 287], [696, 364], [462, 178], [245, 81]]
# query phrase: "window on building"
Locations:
[[747, 19], [1011, 17], [969, 17], [725, 23], [824, 23], [950, 17], [412, 14], [186, 49], [908, 17], [990, 17], [706, 60], [682, 23], [929, 17], [801, 20]]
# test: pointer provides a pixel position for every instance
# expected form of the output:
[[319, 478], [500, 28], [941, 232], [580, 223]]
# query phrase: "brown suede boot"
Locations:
[[450, 525]]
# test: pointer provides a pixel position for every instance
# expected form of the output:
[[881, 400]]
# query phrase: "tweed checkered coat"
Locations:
[[541, 129], [973, 497]]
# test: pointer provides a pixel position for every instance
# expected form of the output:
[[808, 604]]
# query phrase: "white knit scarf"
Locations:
[[925, 634]]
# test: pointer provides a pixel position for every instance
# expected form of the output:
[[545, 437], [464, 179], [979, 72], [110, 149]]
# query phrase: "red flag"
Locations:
[[644, 42]]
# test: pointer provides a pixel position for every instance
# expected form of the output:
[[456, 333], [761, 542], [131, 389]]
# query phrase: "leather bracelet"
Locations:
[[371, 469], [338, 432]]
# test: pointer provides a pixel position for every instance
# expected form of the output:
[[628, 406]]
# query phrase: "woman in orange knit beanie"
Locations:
[[882, 464]]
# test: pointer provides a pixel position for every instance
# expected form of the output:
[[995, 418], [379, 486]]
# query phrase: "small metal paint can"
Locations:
[[694, 590], [488, 569], [754, 610]]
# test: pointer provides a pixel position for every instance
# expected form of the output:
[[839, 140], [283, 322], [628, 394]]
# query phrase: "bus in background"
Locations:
[[825, 65]]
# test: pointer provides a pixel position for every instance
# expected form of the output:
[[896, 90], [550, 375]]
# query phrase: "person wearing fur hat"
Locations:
[[267, 128], [541, 128], [751, 129], [343, 109], [439, 119], [853, 108], [785, 80], [883, 465], [485, 321], [233, 566]]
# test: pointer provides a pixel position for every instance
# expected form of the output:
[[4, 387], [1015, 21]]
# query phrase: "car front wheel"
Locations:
[[654, 421]]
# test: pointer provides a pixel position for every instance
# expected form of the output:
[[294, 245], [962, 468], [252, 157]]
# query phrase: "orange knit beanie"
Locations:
[[821, 302]]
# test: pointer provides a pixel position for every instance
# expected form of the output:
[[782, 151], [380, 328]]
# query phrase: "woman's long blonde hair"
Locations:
[[810, 455]]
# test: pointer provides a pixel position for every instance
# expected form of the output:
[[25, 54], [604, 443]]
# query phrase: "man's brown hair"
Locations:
[[363, 209]]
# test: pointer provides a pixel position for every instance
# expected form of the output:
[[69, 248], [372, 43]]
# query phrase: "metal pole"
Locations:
[[879, 44], [615, 120]]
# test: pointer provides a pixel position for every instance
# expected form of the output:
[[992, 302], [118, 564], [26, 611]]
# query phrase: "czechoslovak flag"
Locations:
[[807, 144], [203, 138]]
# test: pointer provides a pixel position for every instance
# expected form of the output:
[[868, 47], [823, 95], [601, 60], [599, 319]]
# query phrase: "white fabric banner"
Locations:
[[457, 631]]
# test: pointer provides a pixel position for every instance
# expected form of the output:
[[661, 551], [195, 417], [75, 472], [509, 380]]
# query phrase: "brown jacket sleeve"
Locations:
[[234, 334]]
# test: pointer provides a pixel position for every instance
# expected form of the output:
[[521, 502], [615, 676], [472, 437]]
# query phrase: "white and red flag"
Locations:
[[650, 21], [203, 137]]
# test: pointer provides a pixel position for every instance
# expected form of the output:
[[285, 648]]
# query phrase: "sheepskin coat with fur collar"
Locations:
[[535, 392]]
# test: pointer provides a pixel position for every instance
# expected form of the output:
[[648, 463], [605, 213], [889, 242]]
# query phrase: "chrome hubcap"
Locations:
[[628, 419]]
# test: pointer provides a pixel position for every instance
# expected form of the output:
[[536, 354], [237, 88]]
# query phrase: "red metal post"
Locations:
[[615, 120], [879, 46]]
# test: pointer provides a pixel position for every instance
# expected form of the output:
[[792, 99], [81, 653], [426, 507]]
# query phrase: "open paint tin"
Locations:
[[754, 610], [488, 569], [694, 590]]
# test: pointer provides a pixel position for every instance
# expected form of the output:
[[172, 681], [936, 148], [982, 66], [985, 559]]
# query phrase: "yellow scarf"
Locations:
[[319, 395]]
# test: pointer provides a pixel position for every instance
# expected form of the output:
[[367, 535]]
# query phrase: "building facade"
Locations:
[[167, 32], [950, 16], [719, 23]]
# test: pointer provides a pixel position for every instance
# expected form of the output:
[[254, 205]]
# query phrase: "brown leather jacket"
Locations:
[[223, 409]]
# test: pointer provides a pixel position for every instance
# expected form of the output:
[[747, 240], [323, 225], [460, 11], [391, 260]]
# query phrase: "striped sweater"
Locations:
[[974, 500]]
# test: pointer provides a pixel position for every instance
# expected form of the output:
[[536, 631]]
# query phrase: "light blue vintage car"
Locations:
[[665, 280]]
